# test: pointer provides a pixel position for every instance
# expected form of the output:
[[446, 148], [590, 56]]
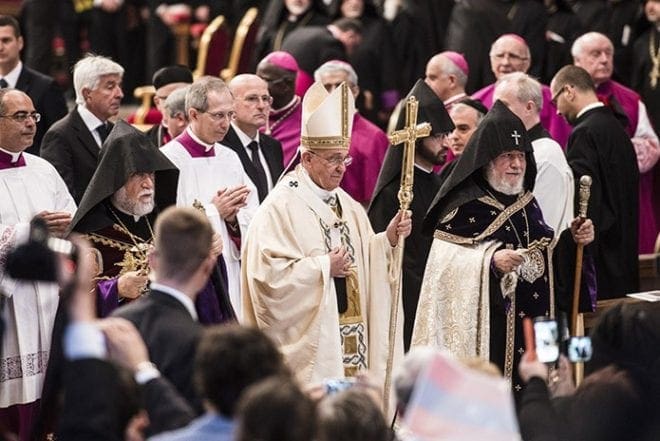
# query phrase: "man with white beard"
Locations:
[[489, 265], [119, 221]]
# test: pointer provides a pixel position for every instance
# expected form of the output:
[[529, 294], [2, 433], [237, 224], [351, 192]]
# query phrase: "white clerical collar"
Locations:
[[245, 139], [453, 99], [424, 169], [12, 76], [207, 146], [90, 120], [588, 107], [322, 193], [181, 297], [14, 155]]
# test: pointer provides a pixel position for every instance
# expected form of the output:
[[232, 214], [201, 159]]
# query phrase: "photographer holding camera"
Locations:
[[31, 187]]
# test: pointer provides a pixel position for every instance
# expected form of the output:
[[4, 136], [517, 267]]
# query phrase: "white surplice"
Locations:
[[554, 186], [200, 179], [30, 307]]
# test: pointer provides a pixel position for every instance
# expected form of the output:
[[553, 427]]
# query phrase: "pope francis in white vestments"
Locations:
[[315, 277]]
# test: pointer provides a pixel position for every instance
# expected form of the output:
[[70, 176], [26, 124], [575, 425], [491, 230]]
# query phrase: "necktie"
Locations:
[[3, 83], [340, 282], [103, 131], [261, 182]]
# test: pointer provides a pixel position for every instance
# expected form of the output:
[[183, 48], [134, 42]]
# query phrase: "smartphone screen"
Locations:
[[579, 349], [546, 335]]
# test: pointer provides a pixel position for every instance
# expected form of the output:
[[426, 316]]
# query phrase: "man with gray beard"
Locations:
[[134, 182], [489, 264]]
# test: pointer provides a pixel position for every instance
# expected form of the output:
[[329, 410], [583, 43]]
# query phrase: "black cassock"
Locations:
[[600, 147], [416, 251]]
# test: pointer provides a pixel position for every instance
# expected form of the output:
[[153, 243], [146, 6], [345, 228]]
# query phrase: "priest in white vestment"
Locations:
[[30, 186], [211, 175], [315, 276]]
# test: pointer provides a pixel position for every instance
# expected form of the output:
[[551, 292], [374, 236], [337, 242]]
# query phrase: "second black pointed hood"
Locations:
[[432, 110], [125, 152]]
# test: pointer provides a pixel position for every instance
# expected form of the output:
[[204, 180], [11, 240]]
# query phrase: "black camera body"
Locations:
[[37, 259]]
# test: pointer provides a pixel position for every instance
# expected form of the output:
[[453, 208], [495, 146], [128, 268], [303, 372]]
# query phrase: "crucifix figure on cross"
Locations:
[[515, 135]]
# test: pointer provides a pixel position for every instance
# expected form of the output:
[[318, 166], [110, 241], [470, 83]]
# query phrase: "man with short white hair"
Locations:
[[260, 154], [554, 186], [447, 74], [368, 142], [510, 53], [175, 108], [594, 53], [211, 175], [73, 143]]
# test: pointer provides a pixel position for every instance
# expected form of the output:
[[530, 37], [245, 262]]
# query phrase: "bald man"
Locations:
[[594, 53], [446, 74], [260, 154], [510, 53]]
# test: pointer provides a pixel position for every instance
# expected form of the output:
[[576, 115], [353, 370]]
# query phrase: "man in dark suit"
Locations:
[[181, 261], [43, 90], [260, 154], [72, 144]]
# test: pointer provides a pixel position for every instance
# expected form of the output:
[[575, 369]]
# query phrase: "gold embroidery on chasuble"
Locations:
[[135, 256], [352, 328]]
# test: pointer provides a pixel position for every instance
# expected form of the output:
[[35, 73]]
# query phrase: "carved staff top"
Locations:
[[585, 192], [408, 135]]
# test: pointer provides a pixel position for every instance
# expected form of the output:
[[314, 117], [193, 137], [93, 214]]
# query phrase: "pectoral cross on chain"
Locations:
[[408, 135], [515, 135]]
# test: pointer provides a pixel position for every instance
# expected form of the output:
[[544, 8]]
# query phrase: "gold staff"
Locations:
[[407, 135]]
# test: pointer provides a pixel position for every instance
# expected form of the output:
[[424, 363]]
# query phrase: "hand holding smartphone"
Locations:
[[546, 339]]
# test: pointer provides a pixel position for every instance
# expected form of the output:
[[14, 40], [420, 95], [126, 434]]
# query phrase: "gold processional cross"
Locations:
[[407, 135]]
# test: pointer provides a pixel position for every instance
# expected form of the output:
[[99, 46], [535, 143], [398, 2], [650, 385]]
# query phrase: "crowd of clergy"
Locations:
[[346, 243]]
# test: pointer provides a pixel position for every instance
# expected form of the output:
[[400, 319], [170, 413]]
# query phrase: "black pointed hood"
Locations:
[[432, 110], [125, 152], [500, 131]]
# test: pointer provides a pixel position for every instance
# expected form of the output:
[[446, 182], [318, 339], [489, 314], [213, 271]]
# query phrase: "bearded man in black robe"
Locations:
[[134, 182], [490, 261], [429, 153]]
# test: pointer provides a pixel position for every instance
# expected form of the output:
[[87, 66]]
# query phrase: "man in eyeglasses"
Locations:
[[31, 187], [600, 147], [368, 142], [260, 154], [510, 53], [279, 69], [315, 276], [211, 175]]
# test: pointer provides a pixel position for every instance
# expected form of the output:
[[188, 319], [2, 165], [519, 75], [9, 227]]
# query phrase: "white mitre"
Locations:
[[327, 118]]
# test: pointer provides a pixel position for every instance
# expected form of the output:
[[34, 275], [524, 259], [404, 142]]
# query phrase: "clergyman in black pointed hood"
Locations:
[[489, 264], [133, 182], [429, 153]]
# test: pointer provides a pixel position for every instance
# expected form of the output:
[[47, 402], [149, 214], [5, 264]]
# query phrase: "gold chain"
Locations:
[[270, 127], [654, 53]]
